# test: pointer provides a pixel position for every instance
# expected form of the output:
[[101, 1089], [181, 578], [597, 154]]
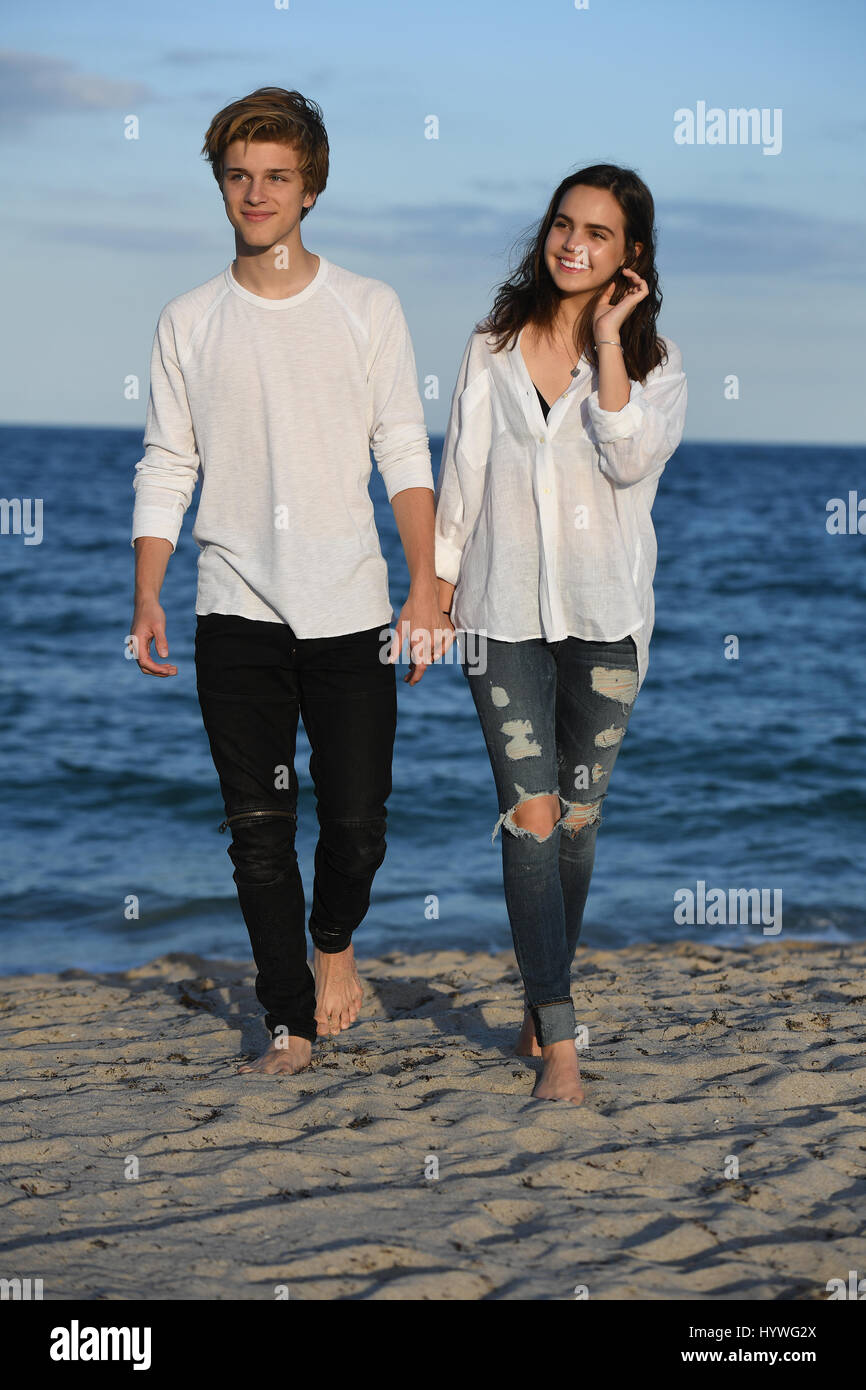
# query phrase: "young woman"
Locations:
[[566, 409]]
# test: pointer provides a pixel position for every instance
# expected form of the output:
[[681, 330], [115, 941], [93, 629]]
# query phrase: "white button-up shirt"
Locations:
[[544, 526]]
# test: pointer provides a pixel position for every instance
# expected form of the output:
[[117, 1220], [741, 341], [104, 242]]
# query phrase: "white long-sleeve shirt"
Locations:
[[279, 402], [544, 526]]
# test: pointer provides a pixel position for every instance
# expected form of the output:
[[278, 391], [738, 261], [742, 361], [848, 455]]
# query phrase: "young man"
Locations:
[[276, 377]]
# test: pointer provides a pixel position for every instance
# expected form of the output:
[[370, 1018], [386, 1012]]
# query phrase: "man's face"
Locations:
[[263, 191]]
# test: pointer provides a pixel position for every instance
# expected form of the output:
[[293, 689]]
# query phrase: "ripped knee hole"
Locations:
[[579, 815]]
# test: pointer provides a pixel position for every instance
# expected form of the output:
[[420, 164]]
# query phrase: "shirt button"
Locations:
[[546, 489]]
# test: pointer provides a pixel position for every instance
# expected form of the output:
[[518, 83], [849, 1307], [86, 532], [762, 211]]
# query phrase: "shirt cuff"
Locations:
[[154, 522], [410, 473], [609, 425], [447, 561]]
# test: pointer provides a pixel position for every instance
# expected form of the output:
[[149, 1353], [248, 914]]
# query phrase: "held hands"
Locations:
[[609, 318], [429, 631]]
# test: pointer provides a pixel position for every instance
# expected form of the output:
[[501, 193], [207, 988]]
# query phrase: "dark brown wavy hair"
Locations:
[[530, 295], [273, 114]]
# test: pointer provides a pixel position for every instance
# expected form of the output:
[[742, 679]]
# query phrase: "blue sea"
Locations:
[[736, 773]]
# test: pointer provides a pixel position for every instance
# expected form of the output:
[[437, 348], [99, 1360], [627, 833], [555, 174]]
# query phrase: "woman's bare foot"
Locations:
[[338, 991], [285, 1052], [527, 1043], [560, 1077]]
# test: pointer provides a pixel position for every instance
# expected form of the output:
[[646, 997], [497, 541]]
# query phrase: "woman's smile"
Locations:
[[576, 263]]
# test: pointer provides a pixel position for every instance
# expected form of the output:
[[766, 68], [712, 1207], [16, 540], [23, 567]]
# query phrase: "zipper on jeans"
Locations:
[[245, 815]]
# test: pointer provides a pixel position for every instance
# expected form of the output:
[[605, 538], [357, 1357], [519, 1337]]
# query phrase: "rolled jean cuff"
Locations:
[[553, 1022], [330, 943], [295, 1030]]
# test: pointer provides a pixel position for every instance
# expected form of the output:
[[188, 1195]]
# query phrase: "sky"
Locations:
[[759, 253]]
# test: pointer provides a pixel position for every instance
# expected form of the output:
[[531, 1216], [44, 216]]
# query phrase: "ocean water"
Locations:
[[746, 773]]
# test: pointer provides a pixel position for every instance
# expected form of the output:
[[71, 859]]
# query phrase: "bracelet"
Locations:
[[615, 341]]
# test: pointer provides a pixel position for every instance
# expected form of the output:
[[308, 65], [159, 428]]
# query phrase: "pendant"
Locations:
[[575, 370]]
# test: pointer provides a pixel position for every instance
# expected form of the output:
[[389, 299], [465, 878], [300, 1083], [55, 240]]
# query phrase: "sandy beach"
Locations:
[[325, 1185]]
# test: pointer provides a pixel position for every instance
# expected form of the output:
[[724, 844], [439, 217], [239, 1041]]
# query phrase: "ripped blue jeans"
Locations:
[[553, 715]]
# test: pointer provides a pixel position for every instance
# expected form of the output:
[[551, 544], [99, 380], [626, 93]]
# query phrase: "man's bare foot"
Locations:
[[560, 1077], [285, 1052], [527, 1043], [338, 991]]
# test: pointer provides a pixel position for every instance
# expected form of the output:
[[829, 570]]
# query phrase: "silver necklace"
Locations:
[[576, 368]]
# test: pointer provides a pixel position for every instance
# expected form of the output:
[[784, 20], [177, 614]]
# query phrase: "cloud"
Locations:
[[478, 230], [518, 186], [147, 240], [849, 128], [754, 239], [195, 57], [202, 57], [33, 85]]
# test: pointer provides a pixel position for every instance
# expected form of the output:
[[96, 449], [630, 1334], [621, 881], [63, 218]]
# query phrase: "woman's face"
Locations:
[[585, 246]]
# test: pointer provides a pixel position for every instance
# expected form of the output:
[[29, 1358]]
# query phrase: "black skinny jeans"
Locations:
[[254, 680]]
